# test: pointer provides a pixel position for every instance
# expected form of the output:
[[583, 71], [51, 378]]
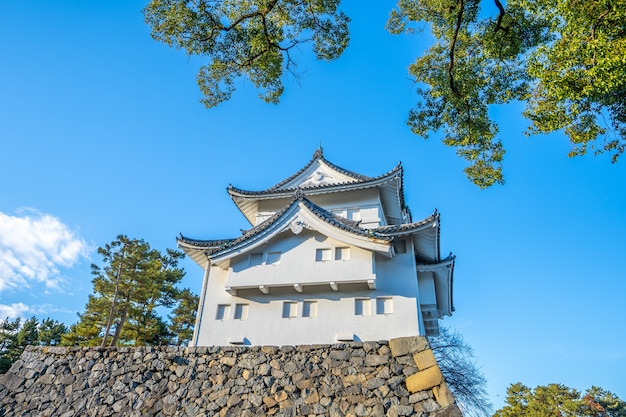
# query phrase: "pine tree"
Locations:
[[134, 281]]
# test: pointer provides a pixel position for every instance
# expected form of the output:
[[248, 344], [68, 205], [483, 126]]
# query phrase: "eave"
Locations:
[[390, 185], [443, 273], [424, 235], [299, 211]]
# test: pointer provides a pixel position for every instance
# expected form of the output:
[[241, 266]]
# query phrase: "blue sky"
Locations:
[[101, 133]]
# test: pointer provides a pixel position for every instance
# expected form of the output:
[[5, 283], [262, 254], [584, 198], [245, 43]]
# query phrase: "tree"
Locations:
[[558, 400], [563, 58], [252, 38], [134, 282], [183, 318], [456, 361], [15, 335]]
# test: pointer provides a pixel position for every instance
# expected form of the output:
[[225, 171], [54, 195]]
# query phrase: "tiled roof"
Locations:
[[319, 154], [396, 229], [213, 246], [275, 190]]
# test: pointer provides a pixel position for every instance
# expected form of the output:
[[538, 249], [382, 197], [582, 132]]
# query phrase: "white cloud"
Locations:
[[32, 248], [13, 311]]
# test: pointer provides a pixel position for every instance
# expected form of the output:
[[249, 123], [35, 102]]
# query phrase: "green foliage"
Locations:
[[134, 282], [564, 58], [183, 318], [251, 38], [15, 335], [558, 400]]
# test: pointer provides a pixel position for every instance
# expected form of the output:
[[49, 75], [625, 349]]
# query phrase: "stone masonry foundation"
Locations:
[[395, 378]]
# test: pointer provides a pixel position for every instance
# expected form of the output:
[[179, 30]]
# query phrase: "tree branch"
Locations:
[[459, 21]]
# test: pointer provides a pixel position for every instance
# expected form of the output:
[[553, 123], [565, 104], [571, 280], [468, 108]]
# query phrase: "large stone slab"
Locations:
[[405, 345]]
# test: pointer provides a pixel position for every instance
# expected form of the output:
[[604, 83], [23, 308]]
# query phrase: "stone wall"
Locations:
[[395, 378]]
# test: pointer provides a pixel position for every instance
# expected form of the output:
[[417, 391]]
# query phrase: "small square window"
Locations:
[[354, 214], [384, 305], [342, 254], [401, 246], [273, 258], [256, 259], [309, 309], [241, 311], [223, 312], [362, 307], [322, 255], [339, 212], [290, 309]]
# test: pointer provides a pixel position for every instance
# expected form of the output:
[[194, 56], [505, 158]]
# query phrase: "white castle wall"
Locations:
[[318, 314]]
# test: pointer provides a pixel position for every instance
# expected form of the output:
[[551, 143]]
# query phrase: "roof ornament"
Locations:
[[319, 152], [299, 194], [296, 227]]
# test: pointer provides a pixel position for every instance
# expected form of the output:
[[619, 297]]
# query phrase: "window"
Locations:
[[241, 311], [273, 258], [342, 254], [384, 305], [223, 312], [362, 307], [401, 246], [354, 214], [256, 259], [309, 309], [290, 309], [322, 255]]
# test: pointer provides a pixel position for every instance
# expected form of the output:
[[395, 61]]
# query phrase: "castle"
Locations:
[[332, 256]]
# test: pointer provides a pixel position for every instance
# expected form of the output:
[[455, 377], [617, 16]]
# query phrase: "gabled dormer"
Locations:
[[375, 201]]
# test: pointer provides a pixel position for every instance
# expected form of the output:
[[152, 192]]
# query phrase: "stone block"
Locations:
[[443, 395], [312, 398], [281, 396], [376, 360], [424, 380], [424, 359], [405, 345], [450, 411], [269, 402]]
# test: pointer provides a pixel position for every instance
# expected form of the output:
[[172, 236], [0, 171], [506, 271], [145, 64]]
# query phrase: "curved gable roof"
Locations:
[[389, 183], [318, 160], [300, 209]]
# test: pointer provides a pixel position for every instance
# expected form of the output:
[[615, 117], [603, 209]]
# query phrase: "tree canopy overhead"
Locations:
[[565, 59], [251, 38]]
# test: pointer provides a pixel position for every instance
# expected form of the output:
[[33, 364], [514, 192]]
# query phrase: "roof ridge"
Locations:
[[272, 190], [319, 155], [325, 215]]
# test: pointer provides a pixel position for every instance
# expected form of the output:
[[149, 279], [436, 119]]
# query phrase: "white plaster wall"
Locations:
[[395, 280], [367, 201], [298, 263]]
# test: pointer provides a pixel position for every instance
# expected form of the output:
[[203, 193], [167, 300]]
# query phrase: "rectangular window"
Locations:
[[339, 212], [273, 258], [256, 259], [290, 309], [223, 312], [384, 305], [322, 255], [362, 307], [401, 246], [342, 254], [241, 311], [354, 214], [309, 309]]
